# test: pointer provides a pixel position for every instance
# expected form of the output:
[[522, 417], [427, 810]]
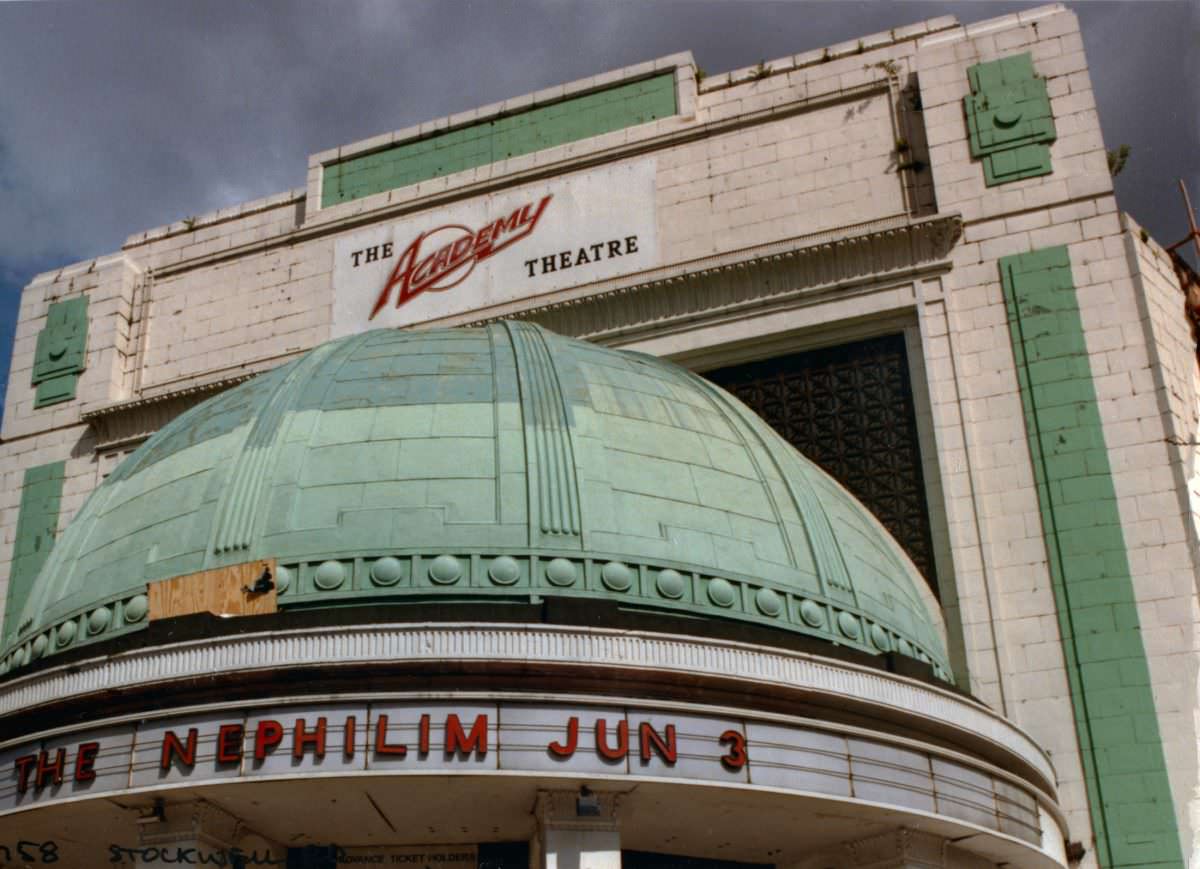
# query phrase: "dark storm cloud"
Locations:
[[122, 116], [1145, 68], [118, 117]]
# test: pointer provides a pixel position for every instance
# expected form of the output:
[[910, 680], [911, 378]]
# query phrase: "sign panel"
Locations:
[[461, 738], [412, 856], [497, 248]]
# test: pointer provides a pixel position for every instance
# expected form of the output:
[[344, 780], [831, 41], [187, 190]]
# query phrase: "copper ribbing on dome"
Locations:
[[547, 429]]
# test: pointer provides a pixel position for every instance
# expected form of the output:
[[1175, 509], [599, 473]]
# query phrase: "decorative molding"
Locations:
[[389, 577], [128, 423], [780, 274], [547, 433], [60, 355], [542, 645], [384, 575]]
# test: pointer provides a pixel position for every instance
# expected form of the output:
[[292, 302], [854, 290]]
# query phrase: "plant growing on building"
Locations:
[[761, 71], [1117, 158]]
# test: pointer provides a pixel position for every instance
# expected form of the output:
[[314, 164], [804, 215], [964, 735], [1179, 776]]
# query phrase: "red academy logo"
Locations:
[[460, 248]]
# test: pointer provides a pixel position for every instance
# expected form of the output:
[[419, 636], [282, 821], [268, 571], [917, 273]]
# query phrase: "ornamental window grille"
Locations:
[[850, 409]]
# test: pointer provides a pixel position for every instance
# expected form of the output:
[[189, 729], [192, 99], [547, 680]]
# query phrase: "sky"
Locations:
[[121, 116]]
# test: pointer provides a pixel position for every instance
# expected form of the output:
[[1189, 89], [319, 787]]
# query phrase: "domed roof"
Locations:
[[499, 463]]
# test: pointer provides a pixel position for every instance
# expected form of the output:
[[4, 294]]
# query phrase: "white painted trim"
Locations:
[[527, 644]]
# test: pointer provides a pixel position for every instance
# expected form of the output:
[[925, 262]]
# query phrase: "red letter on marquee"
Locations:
[[602, 748], [381, 743], [316, 739], [229, 743], [50, 772], [423, 735], [85, 761], [23, 765], [572, 740], [269, 735], [459, 742], [647, 737], [348, 737], [172, 747], [737, 756]]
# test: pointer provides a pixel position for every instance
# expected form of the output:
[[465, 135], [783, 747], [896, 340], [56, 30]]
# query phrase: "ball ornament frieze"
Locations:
[[504, 570], [445, 570], [329, 575], [670, 584], [387, 571], [616, 576], [561, 572]]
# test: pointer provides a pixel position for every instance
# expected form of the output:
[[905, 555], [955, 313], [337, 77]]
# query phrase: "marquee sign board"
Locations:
[[497, 248], [404, 738]]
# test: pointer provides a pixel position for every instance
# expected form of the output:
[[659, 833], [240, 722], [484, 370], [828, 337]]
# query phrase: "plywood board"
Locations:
[[222, 591]]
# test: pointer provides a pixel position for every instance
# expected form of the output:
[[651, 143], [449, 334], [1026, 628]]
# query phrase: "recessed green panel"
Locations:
[[1009, 122], [37, 525], [1128, 790], [532, 130], [60, 353]]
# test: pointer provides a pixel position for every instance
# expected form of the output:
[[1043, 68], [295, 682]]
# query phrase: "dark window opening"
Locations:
[[491, 855], [652, 860]]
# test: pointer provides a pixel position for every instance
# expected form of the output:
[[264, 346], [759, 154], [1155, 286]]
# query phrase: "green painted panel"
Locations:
[[60, 354], [532, 130], [1009, 121], [37, 525], [1132, 813]]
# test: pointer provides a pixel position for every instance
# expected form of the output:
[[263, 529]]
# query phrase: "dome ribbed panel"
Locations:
[[497, 465]]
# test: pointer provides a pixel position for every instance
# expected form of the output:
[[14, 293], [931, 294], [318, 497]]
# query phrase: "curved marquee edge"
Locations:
[[525, 644], [519, 735]]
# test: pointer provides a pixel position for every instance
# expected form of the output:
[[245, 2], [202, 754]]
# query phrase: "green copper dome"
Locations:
[[504, 463]]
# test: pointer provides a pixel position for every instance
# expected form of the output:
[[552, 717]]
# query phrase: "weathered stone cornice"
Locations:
[[779, 274], [131, 422]]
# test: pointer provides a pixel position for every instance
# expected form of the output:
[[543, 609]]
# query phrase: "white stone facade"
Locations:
[[805, 159]]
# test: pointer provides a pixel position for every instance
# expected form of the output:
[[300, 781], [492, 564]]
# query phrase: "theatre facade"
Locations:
[[793, 467]]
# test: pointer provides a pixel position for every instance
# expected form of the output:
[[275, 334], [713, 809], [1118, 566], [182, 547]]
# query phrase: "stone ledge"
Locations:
[[822, 262]]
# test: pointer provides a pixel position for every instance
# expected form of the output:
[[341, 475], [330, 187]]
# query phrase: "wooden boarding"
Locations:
[[221, 591]]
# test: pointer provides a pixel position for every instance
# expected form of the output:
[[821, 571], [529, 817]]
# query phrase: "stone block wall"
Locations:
[[803, 150], [1031, 649], [1161, 493]]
